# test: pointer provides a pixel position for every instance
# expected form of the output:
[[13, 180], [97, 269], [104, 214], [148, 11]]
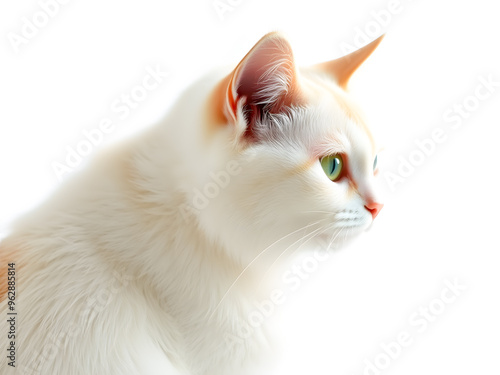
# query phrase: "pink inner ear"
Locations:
[[265, 79], [267, 73]]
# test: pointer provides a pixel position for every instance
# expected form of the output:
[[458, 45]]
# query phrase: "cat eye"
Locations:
[[332, 166], [375, 163]]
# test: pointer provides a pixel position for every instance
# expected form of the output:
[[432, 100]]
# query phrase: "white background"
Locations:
[[440, 223]]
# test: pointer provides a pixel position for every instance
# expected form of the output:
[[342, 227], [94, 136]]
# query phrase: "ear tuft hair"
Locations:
[[268, 74], [264, 82]]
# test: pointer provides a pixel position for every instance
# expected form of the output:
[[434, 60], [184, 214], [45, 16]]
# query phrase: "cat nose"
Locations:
[[374, 208]]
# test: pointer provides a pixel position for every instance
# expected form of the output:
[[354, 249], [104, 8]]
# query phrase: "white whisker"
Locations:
[[255, 259]]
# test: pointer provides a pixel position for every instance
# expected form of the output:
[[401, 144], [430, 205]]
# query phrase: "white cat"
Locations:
[[145, 262]]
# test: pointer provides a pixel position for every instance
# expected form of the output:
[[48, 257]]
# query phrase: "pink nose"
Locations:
[[374, 208]]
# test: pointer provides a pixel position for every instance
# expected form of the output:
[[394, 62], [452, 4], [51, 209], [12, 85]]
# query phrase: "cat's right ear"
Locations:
[[343, 67], [264, 82]]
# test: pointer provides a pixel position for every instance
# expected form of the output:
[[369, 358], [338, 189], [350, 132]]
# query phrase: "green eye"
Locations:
[[375, 163], [332, 165]]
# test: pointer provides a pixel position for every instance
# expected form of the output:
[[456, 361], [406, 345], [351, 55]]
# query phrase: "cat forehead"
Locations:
[[336, 120]]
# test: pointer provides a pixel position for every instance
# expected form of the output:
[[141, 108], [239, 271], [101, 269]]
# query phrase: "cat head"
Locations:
[[303, 159]]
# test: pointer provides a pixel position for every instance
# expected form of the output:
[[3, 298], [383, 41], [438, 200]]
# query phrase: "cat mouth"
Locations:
[[351, 222], [342, 231]]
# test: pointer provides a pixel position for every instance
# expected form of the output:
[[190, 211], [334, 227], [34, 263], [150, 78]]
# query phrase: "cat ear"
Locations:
[[265, 81], [343, 67]]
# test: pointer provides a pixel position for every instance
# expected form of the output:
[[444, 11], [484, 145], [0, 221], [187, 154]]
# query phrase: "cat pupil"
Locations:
[[375, 162], [334, 163]]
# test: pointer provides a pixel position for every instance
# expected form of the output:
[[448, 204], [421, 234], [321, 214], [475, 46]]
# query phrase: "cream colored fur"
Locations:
[[119, 273]]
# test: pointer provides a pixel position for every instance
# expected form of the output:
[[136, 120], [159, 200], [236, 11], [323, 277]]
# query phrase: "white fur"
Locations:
[[115, 278]]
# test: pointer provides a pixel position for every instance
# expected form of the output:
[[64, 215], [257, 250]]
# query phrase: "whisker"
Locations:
[[345, 236], [321, 212], [310, 235], [255, 259], [325, 229], [334, 237]]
